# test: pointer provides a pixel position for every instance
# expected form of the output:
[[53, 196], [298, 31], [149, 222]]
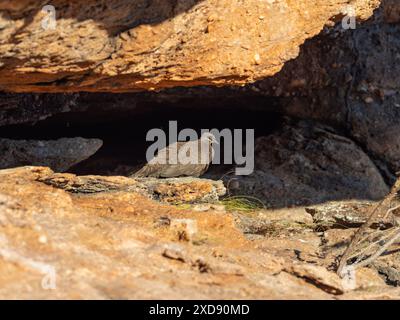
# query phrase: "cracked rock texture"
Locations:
[[174, 190], [120, 245], [123, 45], [114, 237], [345, 78]]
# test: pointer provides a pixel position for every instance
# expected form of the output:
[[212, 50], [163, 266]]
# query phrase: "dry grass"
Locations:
[[243, 204]]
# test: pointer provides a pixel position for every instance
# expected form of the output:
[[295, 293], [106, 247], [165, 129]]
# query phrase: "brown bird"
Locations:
[[192, 159]]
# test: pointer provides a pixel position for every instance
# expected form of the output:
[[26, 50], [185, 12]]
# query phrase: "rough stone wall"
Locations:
[[104, 238], [123, 45], [351, 80], [345, 78]]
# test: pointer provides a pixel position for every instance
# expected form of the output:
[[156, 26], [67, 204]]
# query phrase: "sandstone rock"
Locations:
[[307, 163], [273, 222], [173, 190], [295, 215], [110, 245], [340, 214], [327, 81], [335, 242], [59, 154], [377, 294], [102, 245], [367, 279], [391, 274], [388, 266], [328, 281], [125, 45], [71, 236], [176, 190]]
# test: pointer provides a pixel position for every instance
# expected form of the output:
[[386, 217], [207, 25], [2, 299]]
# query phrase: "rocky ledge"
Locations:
[[64, 236], [325, 110], [124, 45], [173, 190]]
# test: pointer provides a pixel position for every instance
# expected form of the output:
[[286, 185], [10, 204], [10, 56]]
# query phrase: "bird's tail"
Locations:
[[146, 171]]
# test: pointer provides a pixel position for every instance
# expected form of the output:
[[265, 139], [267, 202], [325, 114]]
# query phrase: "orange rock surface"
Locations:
[[123, 45], [120, 244]]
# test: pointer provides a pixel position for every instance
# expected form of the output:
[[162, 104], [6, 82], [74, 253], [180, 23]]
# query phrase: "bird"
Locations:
[[186, 164]]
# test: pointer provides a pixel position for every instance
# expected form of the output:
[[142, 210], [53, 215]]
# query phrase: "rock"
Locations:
[[178, 190], [29, 108], [294, 215], [390, 274], [173, 190], [273, 222], [335, 242], [125, 45], [95, 237], [367, 279], [328, 97], [392, 12], [322, 278], [377, 294], [104, 245], [388, 266], [320, 81], [185, 229], [307, 163], [174, 252], [87, 184], [340, 214], [57, 244], [59, 154]]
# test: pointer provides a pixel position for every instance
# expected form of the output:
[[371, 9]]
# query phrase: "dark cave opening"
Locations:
[[123, 130], [297, 160]]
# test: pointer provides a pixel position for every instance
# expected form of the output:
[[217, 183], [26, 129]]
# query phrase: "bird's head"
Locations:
[[209, 137]]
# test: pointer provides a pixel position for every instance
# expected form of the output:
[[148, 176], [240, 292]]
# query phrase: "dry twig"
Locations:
[[380, 245]]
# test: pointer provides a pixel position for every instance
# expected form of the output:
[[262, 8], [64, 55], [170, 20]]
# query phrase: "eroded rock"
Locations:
[[339, 77], [105, 245], [307, 163], [173, 190], [340, 215], [120, 244], [125, 45], [274, 222], [59, 154], [327, 281]]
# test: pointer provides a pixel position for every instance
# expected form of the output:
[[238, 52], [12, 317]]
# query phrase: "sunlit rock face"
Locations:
[[123, 45], [323, 102], [56, 241]]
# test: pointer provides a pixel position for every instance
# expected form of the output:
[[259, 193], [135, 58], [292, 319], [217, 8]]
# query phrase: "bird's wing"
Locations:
[[166, 153], [147, 171]]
